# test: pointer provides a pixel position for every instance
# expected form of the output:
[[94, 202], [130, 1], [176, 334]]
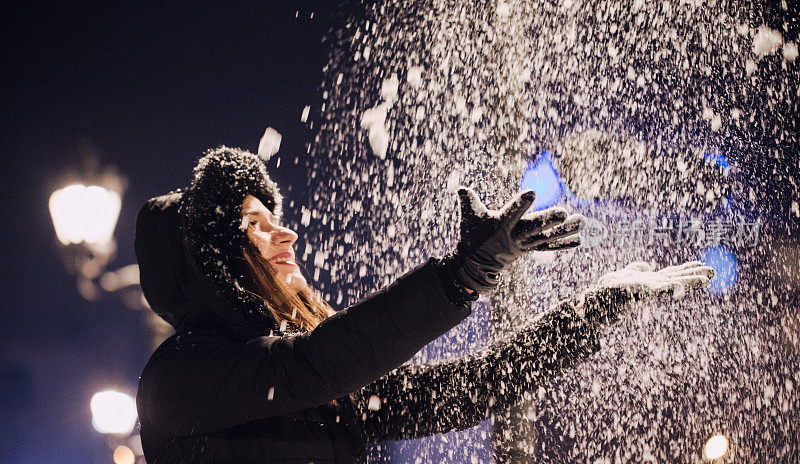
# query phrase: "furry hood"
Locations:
[[187, 244]]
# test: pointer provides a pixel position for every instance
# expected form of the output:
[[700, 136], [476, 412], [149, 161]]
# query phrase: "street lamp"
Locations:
[[84, 211], [84, 218], [84, 214]]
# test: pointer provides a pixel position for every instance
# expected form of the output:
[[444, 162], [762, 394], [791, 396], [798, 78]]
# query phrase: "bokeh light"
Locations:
[[715, 447], [725, 264], [124, 455], [113, 412], [84, 214], [716, 159], [542, 178]]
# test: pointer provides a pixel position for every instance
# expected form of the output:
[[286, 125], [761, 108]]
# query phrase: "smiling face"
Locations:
[[274, 241]]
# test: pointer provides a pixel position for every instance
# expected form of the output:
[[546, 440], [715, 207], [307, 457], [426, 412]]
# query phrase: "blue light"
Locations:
[[717, 159], [724, 262], [541, 177]]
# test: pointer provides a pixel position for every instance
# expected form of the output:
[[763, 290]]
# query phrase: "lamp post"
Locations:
[[84, 210], [84, 218]]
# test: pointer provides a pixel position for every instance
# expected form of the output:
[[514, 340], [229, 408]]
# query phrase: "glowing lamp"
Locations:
[[715, 447], [541, 177], [724, 263], [84, 214], [113, 412]]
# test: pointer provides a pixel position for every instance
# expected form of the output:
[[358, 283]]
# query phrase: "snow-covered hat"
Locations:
[[212, 215], [189, 246]]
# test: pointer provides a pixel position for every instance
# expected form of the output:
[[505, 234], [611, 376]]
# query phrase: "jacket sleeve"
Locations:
[[419, 400], [205, 382]]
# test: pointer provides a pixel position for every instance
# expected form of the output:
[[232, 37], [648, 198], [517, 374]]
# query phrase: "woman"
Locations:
[[260, 368]]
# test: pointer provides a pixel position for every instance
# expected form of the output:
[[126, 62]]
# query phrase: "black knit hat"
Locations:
[[211, 212]]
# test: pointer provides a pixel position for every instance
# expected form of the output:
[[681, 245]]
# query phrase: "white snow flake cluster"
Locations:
[[269, 144], [766, 42]]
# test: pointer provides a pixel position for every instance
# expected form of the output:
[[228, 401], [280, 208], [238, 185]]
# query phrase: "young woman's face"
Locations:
[[274, 241]]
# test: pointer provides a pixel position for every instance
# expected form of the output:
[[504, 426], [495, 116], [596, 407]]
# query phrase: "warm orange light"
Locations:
[[124, 455]]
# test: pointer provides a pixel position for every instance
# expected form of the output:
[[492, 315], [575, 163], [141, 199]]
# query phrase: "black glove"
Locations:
[[491, 240]]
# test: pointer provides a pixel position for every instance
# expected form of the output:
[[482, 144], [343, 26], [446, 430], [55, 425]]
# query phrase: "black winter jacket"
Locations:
[[218, 393]]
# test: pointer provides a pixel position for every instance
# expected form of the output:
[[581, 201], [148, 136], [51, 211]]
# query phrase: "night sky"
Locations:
[[150, 86]]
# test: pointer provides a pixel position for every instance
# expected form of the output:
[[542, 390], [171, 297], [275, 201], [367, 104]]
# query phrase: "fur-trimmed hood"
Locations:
[[187, 244]]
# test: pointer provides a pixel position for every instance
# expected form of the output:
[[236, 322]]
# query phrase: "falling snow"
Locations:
[[269, 144], [790, 51], [766, 42], [634, 99], [414, 76]]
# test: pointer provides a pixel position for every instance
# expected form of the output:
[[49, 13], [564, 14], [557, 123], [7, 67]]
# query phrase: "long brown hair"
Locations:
[[302, 310]]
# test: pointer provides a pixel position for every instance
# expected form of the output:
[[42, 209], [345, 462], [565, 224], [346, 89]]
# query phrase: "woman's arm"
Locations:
[[199, 383], [423, 400], [420, 400]]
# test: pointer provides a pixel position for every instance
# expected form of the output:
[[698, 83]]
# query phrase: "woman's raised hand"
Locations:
[[612, 295], [491, 240]]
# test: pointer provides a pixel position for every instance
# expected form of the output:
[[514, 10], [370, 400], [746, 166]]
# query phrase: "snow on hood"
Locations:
[[187, 243]]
